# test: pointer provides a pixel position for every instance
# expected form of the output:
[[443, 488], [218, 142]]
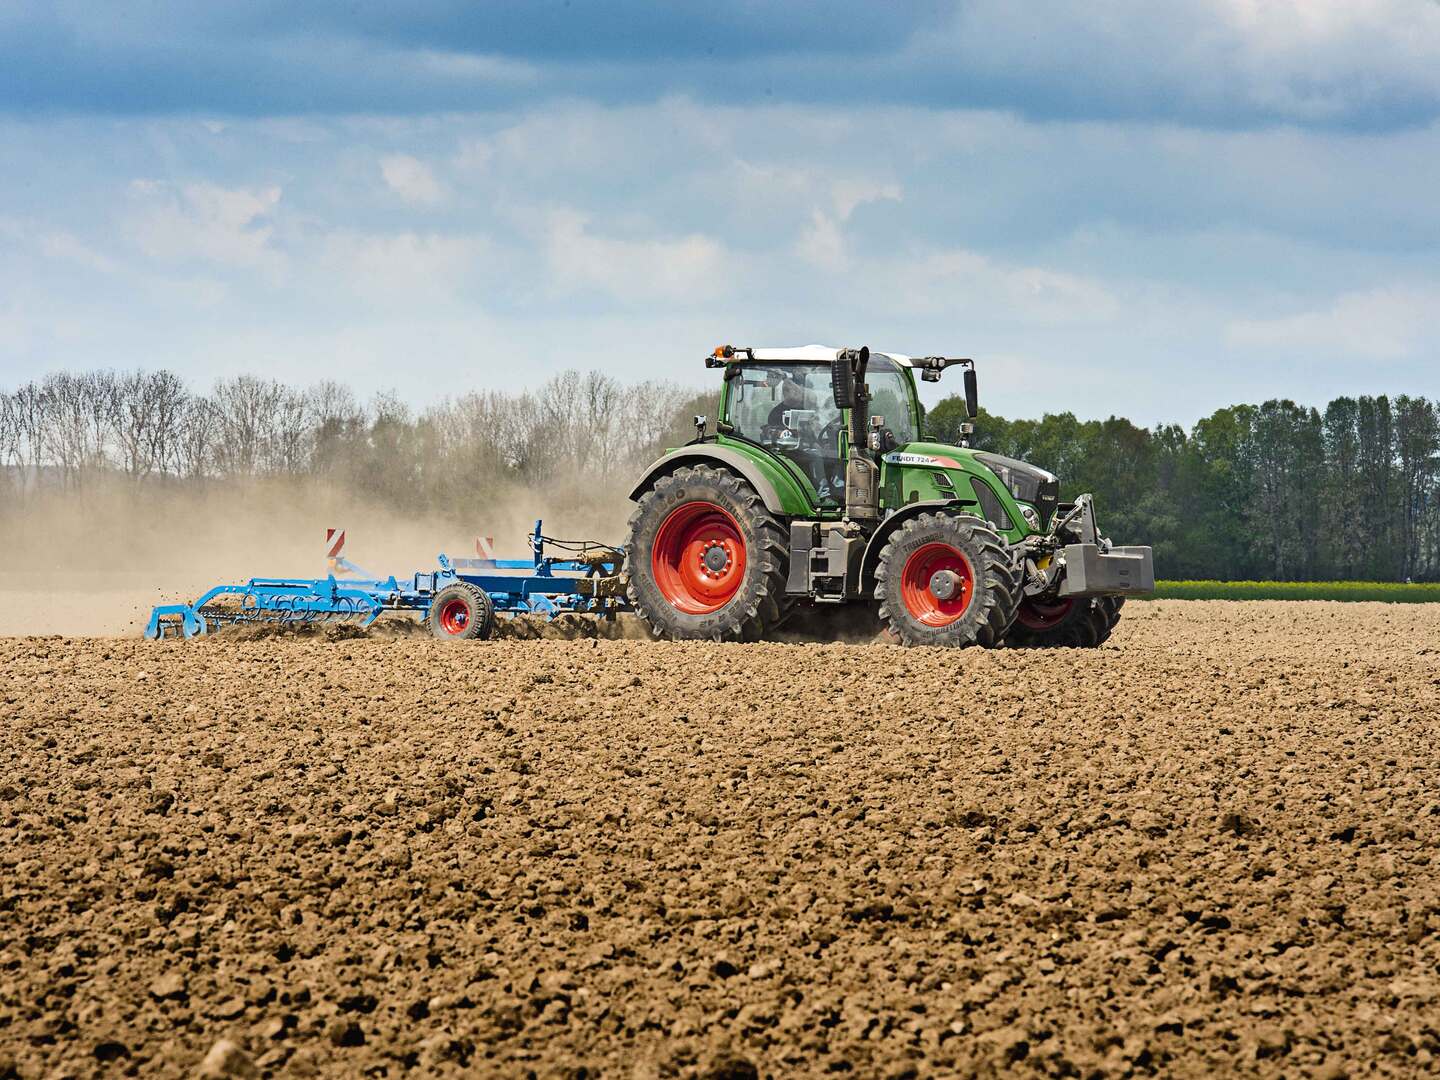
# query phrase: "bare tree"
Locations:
[[10, 442], [598, 424], [77, 417], [30, 404], [291, 434], [470, 437], [337, 423], [147, 422], [194, 452], [245, 410]]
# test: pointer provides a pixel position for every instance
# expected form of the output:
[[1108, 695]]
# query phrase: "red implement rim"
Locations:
[[922, 565], [687, 536], [1035, 616], [455, 616]]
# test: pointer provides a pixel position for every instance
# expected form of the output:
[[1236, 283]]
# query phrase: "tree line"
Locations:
[[1275, 491], [580, 435]]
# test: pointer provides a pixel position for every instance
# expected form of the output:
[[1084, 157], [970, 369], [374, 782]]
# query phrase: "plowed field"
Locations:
[[1204, 848]]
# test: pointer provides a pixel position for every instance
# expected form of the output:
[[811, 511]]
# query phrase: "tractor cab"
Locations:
[[788, 407], [784, 401]]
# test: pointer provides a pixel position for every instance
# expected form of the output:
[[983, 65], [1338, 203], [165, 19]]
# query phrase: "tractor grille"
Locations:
[[990, 504], [1047, 497]]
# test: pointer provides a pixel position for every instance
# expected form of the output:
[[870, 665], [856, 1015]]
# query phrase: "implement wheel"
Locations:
[[461, 612], [1064, 623], [948, 580], [705, 559]]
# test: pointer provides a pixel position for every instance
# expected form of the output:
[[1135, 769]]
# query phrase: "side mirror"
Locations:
[[972, 393]]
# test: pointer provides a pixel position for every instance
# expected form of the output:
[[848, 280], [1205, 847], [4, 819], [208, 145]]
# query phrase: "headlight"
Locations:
[[1032, 518]]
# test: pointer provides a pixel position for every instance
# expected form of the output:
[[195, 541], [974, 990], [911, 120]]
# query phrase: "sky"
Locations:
[[1115, 206]]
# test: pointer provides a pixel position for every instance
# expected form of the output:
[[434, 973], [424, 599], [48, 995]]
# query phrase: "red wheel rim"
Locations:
[[699, 558], [921, 568], [454, 616], [1035, 616]]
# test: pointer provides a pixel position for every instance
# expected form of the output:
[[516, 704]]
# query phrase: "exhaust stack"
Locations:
[[862, 473]]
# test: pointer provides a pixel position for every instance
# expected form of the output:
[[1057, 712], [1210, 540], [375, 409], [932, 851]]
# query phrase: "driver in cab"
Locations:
[[794, 429]]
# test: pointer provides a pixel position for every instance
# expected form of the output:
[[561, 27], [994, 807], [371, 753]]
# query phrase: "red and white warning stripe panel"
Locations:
[[485, 552], [334, 545]]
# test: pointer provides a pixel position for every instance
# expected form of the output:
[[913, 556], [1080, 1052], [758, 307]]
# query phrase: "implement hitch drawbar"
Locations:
[[585, 578]]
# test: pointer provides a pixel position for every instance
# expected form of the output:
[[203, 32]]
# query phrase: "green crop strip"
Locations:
[[1386, 591]]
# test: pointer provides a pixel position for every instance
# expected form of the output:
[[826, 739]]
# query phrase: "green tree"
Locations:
[[1342, 508]]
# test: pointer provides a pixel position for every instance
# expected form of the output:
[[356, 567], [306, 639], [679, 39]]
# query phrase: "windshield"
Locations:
[[789, 408]]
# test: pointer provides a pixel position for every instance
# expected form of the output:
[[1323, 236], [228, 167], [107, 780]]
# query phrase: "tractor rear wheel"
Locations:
[[948, 580], [706, 560], [461, 612], [1064, 623]]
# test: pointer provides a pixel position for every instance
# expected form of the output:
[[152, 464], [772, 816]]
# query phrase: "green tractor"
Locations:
[[817, 488]]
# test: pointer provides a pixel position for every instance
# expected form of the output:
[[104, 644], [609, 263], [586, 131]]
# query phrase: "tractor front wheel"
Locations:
[[948, 580], [705, 560]]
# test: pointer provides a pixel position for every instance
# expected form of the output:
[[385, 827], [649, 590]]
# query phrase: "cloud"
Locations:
[[822, 243], [1152, 270], [850, 193], [207, 222], [738, 31], [1208, 62], [474, 155], [17, 335], [59, 245], [400, 269], [1392, 322], [957, 282], [633, 271], [1212, 63], [411, 179]]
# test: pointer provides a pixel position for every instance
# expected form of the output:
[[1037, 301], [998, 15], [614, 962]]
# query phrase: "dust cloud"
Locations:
[[94, 563]]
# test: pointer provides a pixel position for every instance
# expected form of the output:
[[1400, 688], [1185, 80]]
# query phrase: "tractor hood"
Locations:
[[924, 455], [1027, 483]]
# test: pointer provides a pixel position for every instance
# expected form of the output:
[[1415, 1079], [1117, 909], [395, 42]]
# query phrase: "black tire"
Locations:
[[1085, 624], [915, 615], [1111, 605], [461, 612], [671, 606]]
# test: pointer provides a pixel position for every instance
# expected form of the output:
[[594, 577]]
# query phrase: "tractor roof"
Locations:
[[819, 354]]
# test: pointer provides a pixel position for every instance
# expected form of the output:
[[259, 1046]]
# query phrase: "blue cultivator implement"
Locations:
[[459, 600]]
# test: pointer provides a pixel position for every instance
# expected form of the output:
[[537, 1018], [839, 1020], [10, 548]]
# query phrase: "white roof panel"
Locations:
[[819, 354]]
